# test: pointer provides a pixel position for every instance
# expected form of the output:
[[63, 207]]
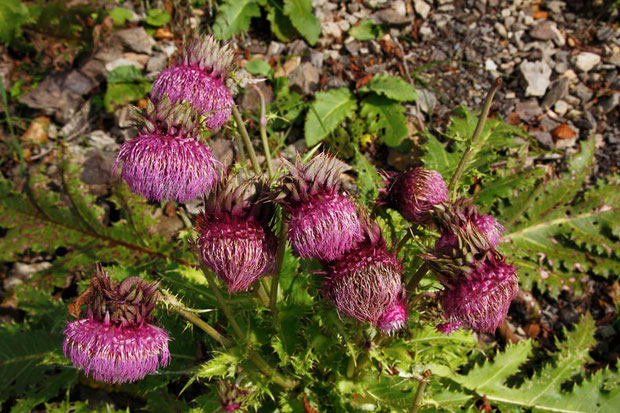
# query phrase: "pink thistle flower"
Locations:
[[323, 219], [116, 343], [199, 77], [235, 240], [479, 299], [414, 193], [394, 318], [462, 224], [365, 284], [166, 160]]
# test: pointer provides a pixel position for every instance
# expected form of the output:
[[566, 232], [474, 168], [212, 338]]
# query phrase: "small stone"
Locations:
[[288, 67], [426, 99], [275, 48], [490, 66], [331, 29], [585, 61], [614, 59], [562, 132], [391, 17], [136, 40], [101, 141], [500, 29], [37, 130], [605, 34], [79, 83], [560, 107], [583, 92], [157, 63], [544, 138], [543, 30], [536, 75], [528, 109], [422, 8], [611, 102], [305, 78], [558, 90]]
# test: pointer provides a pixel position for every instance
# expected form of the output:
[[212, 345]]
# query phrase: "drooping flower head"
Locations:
[[365, 283], [479, 299], [461, 224], [199, 77], [235, 240], [414, 193], [324, 223], [116, 341], [167, 160]]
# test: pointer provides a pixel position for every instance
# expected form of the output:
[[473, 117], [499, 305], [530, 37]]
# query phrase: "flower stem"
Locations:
[[246, 140], [419, 394], [263, 131], [275, 278], [415, 280], [474, 139], [239, 145], [197, 321], [256, 358]]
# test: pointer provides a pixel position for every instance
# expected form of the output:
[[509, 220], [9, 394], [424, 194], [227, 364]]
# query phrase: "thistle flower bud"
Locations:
[[414, 193], [324, 223], [166, 160], [481, 298], [235, 240], [199, 77], [116, 343], [486, 225], [366, 284], [232, 397]]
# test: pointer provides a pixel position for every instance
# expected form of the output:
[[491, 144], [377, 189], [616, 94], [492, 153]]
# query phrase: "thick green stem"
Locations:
[[263, 131], [261, 292], [419, 394], [275, 278], [239, 144], [246, 140], [474, 139], [197, 321], [415, 280], [256, 358]]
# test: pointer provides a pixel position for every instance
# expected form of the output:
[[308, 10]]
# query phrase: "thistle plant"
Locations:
[[116, 342]]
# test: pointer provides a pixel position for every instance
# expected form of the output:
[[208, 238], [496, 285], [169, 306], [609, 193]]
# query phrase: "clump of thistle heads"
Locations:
[[168, 160], [116, 341]]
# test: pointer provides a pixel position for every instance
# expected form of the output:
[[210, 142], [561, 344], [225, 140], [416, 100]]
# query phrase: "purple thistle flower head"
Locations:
[[116, 343], [199, 77], [479, 299], [394, 318], [166, 160], [462, 226], [414, 193], [366, 284], [232, 396], [323, 219], [235, 240]]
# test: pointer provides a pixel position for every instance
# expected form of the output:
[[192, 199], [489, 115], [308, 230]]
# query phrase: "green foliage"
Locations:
[[157, 18], [557, 231], [385, 118], [121, 15], [125, 85], [366, 30], [547, 389], [13, 15], [392, 87], [300, 13], [328, 110], [259, 67], [234, 18]]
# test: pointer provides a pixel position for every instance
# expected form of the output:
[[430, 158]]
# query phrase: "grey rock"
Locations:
[[426, 100], [222, 148], [583, 92], [610, 103], [559, 89], [157, 63], [605, 34], [561, 107], [391, 17], [250, 100], [305, 78], [53, 98], [536, 76], [101, 141], [543, 30], [317, 58], [422, 8], [22, 272], [275, 48], [78, 124], [544, 138], [585, 61], [79, 83], [614, 59], [555, 6], [353, 47], [136, 40], [500, 29], [528, 109], [96, 169]]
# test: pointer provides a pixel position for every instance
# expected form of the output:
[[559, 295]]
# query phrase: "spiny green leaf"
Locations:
[[366, 30], [303, 19], [234, 18], [327, 111], [281, 25], [385, 117], [224, 364], [391, 87]]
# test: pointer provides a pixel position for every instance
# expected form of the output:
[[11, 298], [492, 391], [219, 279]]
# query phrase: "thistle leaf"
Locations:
[[392, 87], [303, 19], [328, 111], [234, 18], [385, 118]]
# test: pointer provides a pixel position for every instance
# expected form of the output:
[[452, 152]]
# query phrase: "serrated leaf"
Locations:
[[157, 18], [366, 30], [385, 117], [224, 364], [281, 25], [303, 19], [259, 67], [391, 87], [121, 15], [234, 17], [328, 110]]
